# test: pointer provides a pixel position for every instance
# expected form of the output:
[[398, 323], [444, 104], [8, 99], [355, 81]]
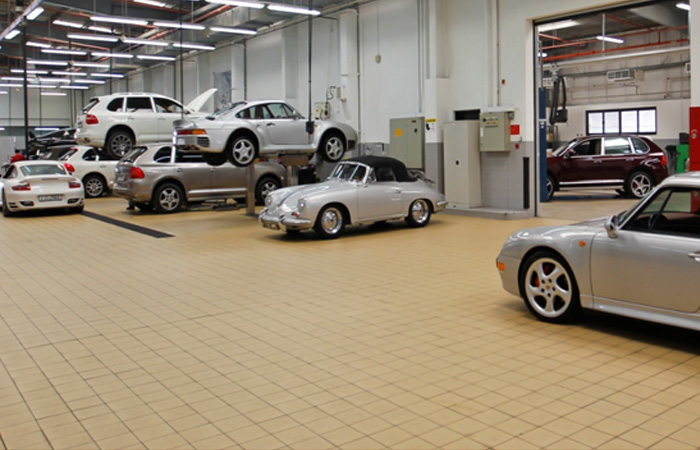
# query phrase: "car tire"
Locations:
[[242, 151], [418, 213], [95, 186], [551, 187], [119, 143], [5, 208], [77, 209], [168, 198], [639, 184], [143, 206], [214, 159], [549, 289], [332, 147], [330, 222], [265, 185]]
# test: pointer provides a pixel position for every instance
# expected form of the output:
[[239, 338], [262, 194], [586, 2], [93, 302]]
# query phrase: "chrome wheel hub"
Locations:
[[419, 211], [334, 148], [548, 287], [169, 199], [332, 221], [243, 152]]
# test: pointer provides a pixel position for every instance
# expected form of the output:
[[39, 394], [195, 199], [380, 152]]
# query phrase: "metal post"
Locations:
[[26, 95], [250, 191]]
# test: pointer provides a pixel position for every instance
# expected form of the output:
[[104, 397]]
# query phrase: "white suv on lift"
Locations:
[[117, 122]]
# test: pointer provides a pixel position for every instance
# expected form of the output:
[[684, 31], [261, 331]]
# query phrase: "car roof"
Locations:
[[376, 162], [688, 179], [132, 94]]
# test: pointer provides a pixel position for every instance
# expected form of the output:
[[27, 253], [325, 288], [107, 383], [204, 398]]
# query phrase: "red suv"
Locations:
[[632, 163]]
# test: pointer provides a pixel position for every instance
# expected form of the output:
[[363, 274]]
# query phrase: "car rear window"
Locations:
[[116, 104], [90, 104], [640, 146], [134, 154], [67, 154], [43, 169], [163, 155]]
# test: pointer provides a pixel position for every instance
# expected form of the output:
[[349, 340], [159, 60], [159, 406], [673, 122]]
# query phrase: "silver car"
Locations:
[[163, 178], [247, 130], [643, 263], [363, 190]]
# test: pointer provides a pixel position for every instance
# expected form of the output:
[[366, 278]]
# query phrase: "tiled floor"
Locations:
[[230, 336]]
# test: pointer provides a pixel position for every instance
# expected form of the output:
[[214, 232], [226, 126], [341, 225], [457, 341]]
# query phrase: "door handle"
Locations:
[[179, 169], [629, 159], [161, 118], [270, 124], [695, 256], [398, 190], [129, 117], [102, 166], [597, 161]]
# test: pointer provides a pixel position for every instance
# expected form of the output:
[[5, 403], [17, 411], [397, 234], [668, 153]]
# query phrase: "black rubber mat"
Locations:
[[129, 226]]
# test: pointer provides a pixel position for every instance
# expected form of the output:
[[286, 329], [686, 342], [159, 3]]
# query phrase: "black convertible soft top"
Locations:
[[377, 162]]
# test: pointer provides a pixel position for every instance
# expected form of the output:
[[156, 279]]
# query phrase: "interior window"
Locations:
[[142, 104], [261, 112], [90, 155], [163, 155], [164, 105], [640, 146], [617, 146], [385, 174], [672, 211], [43, 169], [278, 111], [116, 105], [245, 114], [590, 147]]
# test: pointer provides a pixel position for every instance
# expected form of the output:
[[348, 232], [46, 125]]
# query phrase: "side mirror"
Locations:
[[568, 155], [611, 226]]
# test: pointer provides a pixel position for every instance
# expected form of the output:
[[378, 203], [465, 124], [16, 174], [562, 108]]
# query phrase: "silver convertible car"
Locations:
[[362, 190], [643, 263], [247, 130]]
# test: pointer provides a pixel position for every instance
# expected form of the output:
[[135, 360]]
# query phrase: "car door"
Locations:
[[381, 196], [167, 111], [655, 259], [228, 180], [285, 127], [141, 119], [582, 163], [193, 173], [617, 159]]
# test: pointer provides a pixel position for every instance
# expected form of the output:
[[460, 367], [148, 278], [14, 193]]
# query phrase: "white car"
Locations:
[[266, 128], [96, 172], [43, 184], [117, 122]]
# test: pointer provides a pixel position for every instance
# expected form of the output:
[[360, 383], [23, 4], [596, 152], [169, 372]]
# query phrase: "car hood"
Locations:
[[199, 101], [291, 195]]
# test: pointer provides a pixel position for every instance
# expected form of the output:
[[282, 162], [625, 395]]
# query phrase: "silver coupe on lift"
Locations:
[[247, 130], [362, 190]]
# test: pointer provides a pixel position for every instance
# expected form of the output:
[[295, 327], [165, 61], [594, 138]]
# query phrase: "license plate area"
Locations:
[[50, 198], [271, 225]]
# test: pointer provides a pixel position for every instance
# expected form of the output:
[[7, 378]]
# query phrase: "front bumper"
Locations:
[[439, 206], [508, 269], [282, 222]]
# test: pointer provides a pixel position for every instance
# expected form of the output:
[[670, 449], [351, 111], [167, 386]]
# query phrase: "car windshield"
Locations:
[[42, 169], [560, 151], [349, 171], [225, 111]]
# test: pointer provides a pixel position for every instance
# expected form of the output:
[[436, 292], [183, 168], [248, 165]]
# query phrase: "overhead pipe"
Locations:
[[588, 41], [613, 50]]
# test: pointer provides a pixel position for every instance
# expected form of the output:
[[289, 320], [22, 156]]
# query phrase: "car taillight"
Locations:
[[74, 185], [663, 161], [136, 172], [190, 131], [22, 187], [91, 119], [69, 167]]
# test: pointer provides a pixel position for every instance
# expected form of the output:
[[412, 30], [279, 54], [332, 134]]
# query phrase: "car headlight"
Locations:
[[268, 200], [301, 204]]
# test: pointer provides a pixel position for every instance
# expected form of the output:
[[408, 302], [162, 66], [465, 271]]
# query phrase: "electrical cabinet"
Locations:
[[462, 164], [407, 141], [495, 131]]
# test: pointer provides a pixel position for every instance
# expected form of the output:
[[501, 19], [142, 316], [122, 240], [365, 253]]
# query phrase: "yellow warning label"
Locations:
[[398, 132]]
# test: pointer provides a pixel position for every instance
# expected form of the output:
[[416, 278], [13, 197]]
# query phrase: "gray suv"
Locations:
[[163, 178]]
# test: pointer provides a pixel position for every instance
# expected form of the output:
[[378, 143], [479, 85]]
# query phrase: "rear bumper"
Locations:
[[195, 143], [132, 191]]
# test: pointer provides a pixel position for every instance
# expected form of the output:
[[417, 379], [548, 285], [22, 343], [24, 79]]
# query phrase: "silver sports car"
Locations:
[[643, 263], [362, 190], [247, 130]]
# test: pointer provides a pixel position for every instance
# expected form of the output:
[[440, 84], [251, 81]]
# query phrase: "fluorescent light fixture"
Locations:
[[36, 13], [145, 42], [557, 25], [46, 128], [194, 46], [30, 71], [151, 3], [100, 29], [88, 81], [233, 30], [112, 55], [12, 34], [124, 20], [184, 25], [73, 86], [38, 44], [107, 75], [92, 37], [63, 51], [614, 40], [12, 78], [41, 86], [11, 85], [539, 55], [293, 10], [54, 94], [156, 57], [55, 80], [45, 62], [684, 6], [254, 5], [67, 23], [90, 64], [68, 74]]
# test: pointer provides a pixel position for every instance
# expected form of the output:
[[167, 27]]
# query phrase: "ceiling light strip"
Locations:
[[63, 51], [233, 30], [184, 26], [112, 55], [254, 5], [145, 42], [123, 20], [156, 57], [193, 46], [293, 10], [92, 37]]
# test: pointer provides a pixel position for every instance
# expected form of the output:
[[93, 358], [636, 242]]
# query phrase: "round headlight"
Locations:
[[302, 204], [268, 200]]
